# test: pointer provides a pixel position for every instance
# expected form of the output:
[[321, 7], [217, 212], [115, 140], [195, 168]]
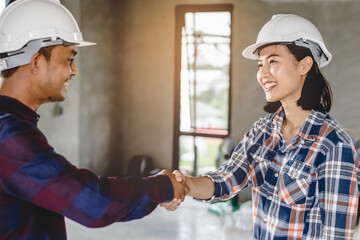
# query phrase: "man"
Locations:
[[38, 187]]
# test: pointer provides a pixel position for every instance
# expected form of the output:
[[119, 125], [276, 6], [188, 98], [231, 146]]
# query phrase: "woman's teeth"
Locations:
[[269, 85]]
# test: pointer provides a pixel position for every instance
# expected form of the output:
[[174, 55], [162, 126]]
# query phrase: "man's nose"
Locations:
[[74, 70]]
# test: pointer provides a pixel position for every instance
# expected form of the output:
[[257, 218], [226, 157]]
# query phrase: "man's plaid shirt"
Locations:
[[38, 187], [307, 189]]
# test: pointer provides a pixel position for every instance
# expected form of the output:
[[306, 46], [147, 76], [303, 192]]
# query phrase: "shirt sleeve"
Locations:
[[32, 171], [338, 189], [236, 173]]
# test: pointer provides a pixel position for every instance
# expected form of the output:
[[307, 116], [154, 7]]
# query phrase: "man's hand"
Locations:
[[180, 189], [179, 186], [172, 205]]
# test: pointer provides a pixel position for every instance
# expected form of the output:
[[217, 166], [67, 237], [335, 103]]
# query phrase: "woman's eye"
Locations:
[[260, 66], [272, 61], [70, 61]]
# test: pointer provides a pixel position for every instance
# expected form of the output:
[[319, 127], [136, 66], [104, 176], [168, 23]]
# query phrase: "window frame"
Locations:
[[180, 11]]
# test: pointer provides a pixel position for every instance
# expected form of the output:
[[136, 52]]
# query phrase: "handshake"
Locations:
[[180, 189], [198, 187]]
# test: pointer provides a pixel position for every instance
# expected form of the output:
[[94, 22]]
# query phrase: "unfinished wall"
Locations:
[[126, 82], [60, 121]]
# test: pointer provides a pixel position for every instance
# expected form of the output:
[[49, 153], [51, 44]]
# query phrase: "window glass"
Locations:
[[198, 155], [205, 61], [202, 83]]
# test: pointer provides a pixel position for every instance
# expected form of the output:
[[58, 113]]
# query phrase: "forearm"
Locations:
[[200, 187], [156, 189], [114, 199]]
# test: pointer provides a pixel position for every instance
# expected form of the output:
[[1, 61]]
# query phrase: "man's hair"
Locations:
[[316, 93], [8, 73], [46, 51]]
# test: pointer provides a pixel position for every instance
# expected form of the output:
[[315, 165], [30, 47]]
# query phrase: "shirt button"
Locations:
[[276, 174], [270, 198], [302, 142], [265, 219]]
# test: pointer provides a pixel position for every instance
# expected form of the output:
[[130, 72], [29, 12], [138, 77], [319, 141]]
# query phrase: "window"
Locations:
[[202, 89]]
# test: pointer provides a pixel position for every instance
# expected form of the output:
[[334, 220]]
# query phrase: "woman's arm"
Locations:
[[338, 189], [199, 187]]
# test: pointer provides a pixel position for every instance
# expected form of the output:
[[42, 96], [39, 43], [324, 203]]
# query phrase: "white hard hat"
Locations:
[[28, 25], [290, 28]]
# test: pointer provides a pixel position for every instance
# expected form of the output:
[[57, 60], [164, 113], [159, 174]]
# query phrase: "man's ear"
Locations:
[[306, 64], [35, 63]]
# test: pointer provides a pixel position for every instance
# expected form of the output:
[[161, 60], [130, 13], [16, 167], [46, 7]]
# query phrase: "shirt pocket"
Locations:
[[294, 181], [262, 159]]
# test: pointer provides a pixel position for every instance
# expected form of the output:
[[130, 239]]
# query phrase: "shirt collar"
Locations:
[[15, 107], [311, 127], [313, 123]]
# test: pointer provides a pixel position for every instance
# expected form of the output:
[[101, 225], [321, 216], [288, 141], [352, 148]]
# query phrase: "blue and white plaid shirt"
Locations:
[[307, 189]]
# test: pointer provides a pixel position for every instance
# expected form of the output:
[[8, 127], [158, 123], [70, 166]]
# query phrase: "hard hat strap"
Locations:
[[23, 56], [315, 49]]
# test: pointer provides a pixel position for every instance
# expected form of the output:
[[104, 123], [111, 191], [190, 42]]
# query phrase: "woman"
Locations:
[[300, 162]]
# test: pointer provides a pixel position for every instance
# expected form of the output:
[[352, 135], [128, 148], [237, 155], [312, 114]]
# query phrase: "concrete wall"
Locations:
[[60, 121], [122, 102]]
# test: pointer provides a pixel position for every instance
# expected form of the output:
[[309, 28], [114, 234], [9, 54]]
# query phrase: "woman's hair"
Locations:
[[316, 93]]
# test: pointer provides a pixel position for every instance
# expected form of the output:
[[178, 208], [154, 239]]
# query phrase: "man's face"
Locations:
[[59, 71]]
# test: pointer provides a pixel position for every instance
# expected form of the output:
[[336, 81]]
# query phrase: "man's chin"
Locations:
[[57, 99]]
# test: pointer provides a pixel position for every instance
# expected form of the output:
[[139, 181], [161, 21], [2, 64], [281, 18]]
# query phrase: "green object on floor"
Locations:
[[235, 203], [221, 208]]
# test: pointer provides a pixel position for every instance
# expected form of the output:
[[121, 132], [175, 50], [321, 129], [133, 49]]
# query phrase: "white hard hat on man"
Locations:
[[28, 25], [291, 29]]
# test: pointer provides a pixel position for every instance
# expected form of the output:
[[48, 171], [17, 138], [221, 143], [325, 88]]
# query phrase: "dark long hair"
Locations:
[[316, 93]]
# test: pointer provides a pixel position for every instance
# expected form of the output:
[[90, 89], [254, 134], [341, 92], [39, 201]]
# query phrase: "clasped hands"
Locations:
[[180, 189]]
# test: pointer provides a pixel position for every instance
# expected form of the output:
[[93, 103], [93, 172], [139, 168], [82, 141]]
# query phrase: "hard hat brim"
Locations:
[[250, 51], [85, 44]]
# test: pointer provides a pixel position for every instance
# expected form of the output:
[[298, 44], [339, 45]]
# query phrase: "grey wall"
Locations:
[[122, 102], [62, 130]]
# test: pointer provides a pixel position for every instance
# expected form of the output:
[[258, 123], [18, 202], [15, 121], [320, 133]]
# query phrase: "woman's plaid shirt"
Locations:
[[307, 189]]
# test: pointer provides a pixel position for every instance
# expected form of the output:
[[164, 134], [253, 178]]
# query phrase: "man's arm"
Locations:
[[33, 172]]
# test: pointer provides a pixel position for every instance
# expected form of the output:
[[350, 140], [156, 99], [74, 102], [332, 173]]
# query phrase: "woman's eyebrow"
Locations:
[[271, 55]]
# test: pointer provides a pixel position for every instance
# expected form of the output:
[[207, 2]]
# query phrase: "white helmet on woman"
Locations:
[[290, 28], [28, 25]]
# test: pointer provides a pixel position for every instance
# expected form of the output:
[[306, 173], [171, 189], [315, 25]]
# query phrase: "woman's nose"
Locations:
[[263, 71]]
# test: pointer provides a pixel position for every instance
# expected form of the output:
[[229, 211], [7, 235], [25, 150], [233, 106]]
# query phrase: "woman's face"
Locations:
[[280, 74]]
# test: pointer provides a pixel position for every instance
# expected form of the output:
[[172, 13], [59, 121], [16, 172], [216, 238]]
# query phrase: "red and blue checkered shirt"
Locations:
[[306, 189], [38, 187]]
